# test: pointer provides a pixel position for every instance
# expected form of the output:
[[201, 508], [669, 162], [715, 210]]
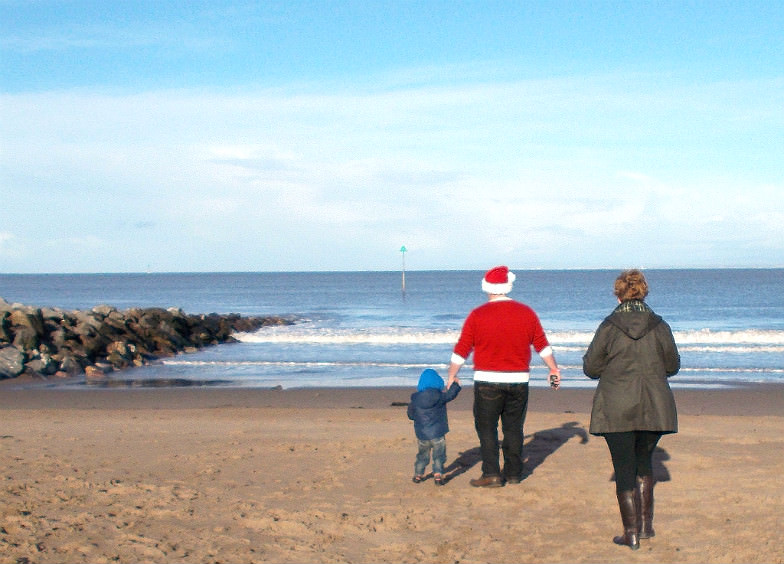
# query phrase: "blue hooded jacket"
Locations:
[[428, 405]]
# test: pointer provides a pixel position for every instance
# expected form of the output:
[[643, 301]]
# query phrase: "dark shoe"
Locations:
[[631, 526], [487, 482], [514, 480], [439, 480], [645, 510], [632, 540], [417, 479]]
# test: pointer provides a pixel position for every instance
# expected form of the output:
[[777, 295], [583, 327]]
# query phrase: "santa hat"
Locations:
[[498, 280]]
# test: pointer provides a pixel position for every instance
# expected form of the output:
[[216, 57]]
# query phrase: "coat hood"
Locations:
[[430, 379], [634, 318]]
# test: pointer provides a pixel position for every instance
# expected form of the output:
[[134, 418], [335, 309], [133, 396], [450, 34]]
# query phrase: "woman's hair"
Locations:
[[631, 285]]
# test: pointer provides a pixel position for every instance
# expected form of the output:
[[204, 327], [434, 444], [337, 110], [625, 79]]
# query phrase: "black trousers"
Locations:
[[509, 402], [632, 456]]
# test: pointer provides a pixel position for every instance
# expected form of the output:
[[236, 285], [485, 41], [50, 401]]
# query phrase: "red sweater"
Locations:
[[501, 333]]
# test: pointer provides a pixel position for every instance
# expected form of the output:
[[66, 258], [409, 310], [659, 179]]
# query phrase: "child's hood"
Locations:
[[430, 379]]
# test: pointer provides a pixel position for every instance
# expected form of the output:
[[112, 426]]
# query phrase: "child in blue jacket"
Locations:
[[427, 410]]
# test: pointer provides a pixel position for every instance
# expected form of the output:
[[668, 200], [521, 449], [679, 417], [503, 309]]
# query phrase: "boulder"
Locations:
[[51, 341], [92, 372], [11, 362], [43, 365]]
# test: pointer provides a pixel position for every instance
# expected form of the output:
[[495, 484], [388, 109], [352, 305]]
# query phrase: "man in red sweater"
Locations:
[[501, 333]]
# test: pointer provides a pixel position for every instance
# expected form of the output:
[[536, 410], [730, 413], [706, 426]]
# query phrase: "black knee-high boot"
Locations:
[[631, 524], [645, 489]]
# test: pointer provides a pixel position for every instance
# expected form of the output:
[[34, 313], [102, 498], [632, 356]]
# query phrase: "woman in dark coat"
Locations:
[[632, 354]]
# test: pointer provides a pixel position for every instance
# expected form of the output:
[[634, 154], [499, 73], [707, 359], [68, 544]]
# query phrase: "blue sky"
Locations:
[[275, 136]]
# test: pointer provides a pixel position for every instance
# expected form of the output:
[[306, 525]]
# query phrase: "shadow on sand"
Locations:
[[540, 445], [544, 443]]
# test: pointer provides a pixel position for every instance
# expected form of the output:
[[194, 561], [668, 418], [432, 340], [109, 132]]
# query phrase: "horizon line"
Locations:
[[349, 271]]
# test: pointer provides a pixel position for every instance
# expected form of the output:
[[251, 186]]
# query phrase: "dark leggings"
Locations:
[[632, 456]]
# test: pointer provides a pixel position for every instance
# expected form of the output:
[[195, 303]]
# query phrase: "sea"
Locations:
[[368, 329]]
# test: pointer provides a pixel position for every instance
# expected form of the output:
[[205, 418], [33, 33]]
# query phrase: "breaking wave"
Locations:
[[704, 340]]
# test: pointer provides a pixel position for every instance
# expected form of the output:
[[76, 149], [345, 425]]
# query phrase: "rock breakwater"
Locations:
[[51, 342]]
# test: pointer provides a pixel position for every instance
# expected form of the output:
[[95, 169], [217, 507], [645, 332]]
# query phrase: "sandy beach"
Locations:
[[324, 475]]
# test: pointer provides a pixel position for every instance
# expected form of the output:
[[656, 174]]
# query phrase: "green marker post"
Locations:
[[403, 254]]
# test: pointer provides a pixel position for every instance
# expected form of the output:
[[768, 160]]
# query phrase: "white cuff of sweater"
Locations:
[[457, 359]]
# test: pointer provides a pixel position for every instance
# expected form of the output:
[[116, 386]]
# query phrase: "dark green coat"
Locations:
[[632, 354]]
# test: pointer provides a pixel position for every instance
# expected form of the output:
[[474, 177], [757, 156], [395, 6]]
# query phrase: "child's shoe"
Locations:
[[417, 479], [439, 480]]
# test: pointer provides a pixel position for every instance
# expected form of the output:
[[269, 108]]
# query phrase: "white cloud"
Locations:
[[6, 242], [555, 170]]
